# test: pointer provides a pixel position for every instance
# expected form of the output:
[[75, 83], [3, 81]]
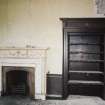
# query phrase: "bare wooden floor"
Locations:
[[72, 100]]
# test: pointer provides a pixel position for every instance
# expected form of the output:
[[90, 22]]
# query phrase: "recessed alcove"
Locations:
[[84, 56]]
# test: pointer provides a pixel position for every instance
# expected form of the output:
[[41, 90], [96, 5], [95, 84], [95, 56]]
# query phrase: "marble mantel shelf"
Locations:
[[23, 52], [24, 48]]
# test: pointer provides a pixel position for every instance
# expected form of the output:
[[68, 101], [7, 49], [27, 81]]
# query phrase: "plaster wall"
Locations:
[[36, 23]]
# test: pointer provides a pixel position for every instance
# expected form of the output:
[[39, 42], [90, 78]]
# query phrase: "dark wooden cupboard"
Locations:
[[84, 56]]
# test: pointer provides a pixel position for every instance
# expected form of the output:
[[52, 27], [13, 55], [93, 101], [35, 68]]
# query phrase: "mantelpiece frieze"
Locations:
[[23, 52]]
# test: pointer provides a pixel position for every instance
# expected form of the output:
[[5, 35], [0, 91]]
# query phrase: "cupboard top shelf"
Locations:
[[92, 61]]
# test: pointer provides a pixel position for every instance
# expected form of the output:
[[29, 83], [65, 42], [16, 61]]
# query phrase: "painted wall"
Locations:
[[36, 23]]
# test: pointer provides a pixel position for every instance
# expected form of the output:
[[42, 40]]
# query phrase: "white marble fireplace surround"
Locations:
[[27, 57]]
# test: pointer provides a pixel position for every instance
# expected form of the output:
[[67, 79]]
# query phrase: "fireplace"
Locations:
[[18, 81], [23, 72]]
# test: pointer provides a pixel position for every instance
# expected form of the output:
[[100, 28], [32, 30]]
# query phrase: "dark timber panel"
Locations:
[[54, 86], [83, 56]]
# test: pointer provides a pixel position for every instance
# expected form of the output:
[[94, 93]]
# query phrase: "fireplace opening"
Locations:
[[18, 81]]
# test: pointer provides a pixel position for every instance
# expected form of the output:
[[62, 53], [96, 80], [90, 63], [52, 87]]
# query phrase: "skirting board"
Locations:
[[53, 96]]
